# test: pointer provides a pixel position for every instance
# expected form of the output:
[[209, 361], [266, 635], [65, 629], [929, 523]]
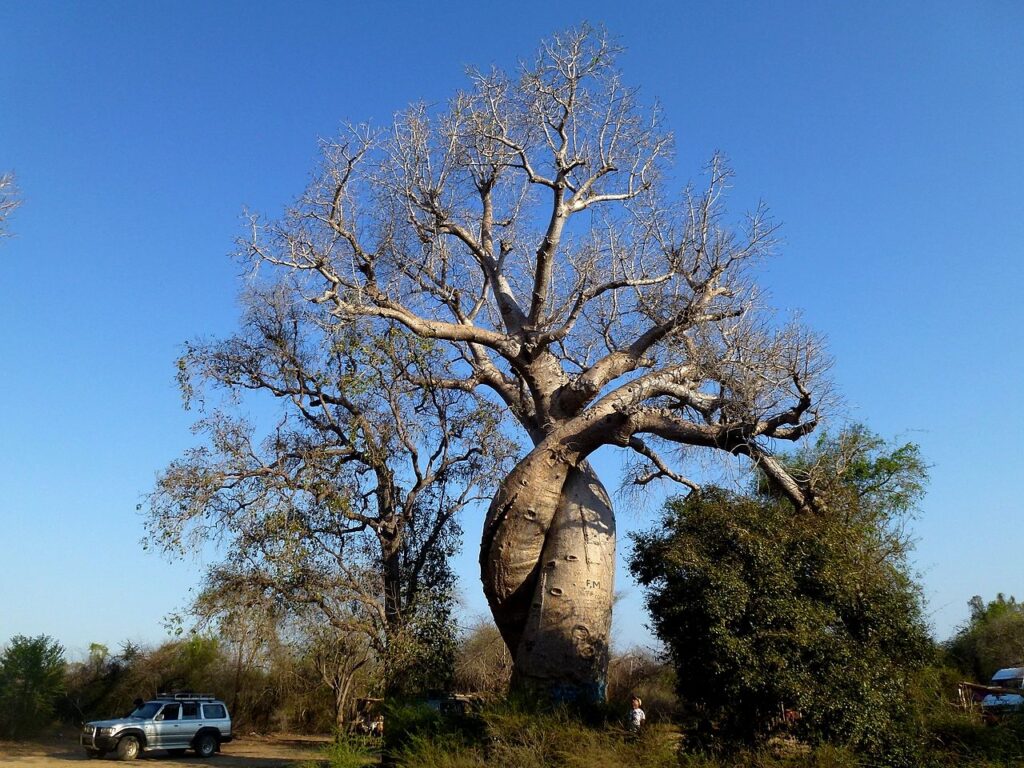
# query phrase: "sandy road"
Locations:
[[248, 752]]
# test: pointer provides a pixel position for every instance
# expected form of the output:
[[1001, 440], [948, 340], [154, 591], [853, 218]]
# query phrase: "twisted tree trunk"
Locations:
[[548, 567]]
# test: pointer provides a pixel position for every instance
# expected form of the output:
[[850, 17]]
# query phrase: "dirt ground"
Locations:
[[282, 751]]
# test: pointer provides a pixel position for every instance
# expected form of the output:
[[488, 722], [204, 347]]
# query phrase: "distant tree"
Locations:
[[90, 684], [483, 663], [31, 681], [106, 683], [249, 624], [340, 659], [257, 628], [766, 609], [9, 200], [992, 638], [191, 663]]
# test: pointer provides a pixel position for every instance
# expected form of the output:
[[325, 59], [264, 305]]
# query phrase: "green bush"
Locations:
[[31, 680], [766, 610], [958, 738], [413, 728], [952, 737]]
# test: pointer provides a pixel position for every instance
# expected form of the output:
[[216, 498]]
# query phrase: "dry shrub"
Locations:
[[639, 671], [483, 663]]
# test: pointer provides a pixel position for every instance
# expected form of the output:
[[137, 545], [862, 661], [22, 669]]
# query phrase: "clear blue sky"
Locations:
[[888, 138]]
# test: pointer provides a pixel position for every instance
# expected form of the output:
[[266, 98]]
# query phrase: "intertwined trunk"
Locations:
[[548, 567]]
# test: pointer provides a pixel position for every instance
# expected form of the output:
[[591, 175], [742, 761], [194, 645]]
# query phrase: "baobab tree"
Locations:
[[527, 230]]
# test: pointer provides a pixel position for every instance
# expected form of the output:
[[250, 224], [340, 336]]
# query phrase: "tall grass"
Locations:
[[346, 752], [513, 736]]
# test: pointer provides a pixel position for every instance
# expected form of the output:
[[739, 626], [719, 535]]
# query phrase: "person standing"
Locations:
[[637, 718]]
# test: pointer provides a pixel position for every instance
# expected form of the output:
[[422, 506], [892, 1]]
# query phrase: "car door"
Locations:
[[190, 720], [168, 727]]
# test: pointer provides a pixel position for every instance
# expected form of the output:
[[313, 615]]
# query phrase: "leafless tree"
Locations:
[[339, 659], [527, 230], [9, 200]]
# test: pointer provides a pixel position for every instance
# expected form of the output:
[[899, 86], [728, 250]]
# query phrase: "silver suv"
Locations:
[[174, 722]]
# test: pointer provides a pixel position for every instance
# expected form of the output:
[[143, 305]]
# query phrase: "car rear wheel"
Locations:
[[128, 748], [205, 745]]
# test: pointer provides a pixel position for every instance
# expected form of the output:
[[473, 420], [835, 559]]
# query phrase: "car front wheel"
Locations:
[[205, 745], [128, 748]]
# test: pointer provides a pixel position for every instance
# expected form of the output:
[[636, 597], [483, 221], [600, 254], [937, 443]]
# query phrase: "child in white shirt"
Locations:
[[636, 715]]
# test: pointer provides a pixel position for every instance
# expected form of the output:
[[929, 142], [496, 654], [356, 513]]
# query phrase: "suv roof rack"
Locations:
[[186, 696]]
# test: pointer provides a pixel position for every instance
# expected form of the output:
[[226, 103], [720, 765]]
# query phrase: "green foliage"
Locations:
[[764, 610], [192, 663], [421, 656], [957, 738], [410, 723], [954, 736], [857, 470], [993, 637], [31, 680], [346, 752], [199, 653], [92, 687]]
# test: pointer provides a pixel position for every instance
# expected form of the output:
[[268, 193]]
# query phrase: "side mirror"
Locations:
[[159, 717]]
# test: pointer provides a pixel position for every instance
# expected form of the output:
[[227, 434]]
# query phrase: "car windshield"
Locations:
[[1009, 682], [146, 711]]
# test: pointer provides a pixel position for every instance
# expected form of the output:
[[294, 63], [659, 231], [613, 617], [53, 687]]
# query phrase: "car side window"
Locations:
[[190, 711], [214, 711], [171, 711]]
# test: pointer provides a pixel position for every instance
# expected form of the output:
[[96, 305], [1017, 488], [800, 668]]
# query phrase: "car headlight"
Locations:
[[104, 731]]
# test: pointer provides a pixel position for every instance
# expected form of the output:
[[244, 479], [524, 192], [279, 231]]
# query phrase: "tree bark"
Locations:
[[548, 566], [340, 700]]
